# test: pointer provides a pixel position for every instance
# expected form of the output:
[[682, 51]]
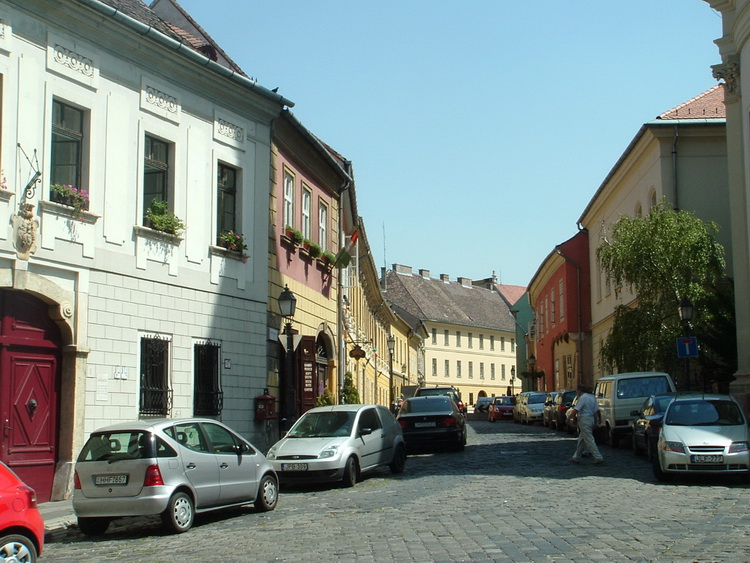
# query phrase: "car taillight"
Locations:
[[153, 477], [76, 481], [450, 421], [402, 422], [562, 408], [460, 406], [30, 495]]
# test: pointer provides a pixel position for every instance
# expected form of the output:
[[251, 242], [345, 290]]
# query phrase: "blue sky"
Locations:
[[478, 129]]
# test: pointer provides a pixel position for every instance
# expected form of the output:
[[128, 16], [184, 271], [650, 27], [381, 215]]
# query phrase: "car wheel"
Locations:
[[649, 449], [268, 494], [658, 473], [179, 515], [399, 459], [15, 547], [93, 526], [636, 449], [613, 438], [350, 472]]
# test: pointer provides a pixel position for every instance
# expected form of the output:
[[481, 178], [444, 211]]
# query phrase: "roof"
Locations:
[[512, 293], [443, 301], [708, 105]]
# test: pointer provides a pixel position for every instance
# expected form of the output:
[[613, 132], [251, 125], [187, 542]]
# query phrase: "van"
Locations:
[[529, 405], [620, 394]]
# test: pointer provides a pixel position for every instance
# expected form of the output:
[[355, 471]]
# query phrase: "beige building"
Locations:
[[471, 339], [680, 156]]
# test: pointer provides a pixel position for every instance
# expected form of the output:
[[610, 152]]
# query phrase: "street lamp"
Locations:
[[532, 371], [287, 306], [391, 348], [686, 315]]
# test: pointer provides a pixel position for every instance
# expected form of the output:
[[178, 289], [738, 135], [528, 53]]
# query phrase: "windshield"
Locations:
[[537, 398], [323, 424], [704, 413], [505, 400]]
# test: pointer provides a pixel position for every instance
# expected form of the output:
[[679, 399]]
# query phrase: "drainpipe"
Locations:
[[674, 169]]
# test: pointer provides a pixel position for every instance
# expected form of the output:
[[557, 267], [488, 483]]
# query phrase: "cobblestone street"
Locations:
[[511, 495]]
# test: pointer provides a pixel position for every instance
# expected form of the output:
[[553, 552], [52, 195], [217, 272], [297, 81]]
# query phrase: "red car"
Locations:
[[21, 525], [501, 408]]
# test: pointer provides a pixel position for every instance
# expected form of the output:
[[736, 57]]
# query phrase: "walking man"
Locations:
[[586, 413]]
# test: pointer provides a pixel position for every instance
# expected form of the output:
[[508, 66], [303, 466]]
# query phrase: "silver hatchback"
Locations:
[[169, 467]]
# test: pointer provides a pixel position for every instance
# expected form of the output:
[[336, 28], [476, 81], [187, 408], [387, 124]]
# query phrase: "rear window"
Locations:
[[124, 444], [537, 398], [641, 387], [427, 405]]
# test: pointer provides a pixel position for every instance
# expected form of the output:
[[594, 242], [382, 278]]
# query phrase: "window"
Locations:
[[502, 372], [471, 370], [492, 371], [512, 344], [155, 171], [552, 307], [67, 147], [434, 336], [208, 398], [447, 368], [156, 395], [502, 344], [226, 183], [223, 442], [446, 337], [190, 435], [323, 226], [562, 300], [471, 340], [288, 199], [481, 341], [492, 342], [458, 339], [458, 368], [434, 367], [481, 370], [306, 203]]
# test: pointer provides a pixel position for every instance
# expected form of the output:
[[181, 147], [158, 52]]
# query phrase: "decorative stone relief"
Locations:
[[729, 72], [6, 34], [25, 228], [72, 60], [157, 99], [229, 130], [66, 310]]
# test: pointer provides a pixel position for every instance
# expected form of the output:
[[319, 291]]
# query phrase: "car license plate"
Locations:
[[294, 467], [121, 479], [424, 424], [706, 459]]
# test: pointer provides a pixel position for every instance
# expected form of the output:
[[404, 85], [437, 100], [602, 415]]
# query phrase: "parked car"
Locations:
[[171, 467], [21, 525], [647, 425], [529, 405], [339, 443], [449, 390], [558, 410], [501, 408], [432, 422], [618, 395], [571, 426], [482, 404], [703, 434], [547, 409]]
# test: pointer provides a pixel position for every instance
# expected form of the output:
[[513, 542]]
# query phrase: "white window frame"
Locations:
[[306, 209], [289, 182]]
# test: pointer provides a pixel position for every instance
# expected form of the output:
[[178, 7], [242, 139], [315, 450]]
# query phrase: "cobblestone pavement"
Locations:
[[511, 495]]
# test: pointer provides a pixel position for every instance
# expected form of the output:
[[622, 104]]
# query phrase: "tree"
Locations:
[[664, 258], [351, 395]]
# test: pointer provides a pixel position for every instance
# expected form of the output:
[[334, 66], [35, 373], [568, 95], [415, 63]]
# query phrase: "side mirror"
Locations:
[[365, 431]]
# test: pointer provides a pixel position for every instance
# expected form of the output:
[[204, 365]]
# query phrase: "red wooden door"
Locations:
[[29, 382]]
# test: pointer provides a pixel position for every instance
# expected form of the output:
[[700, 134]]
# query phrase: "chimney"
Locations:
[[399, 269], [425, 274], [466, 282], [444, 278]]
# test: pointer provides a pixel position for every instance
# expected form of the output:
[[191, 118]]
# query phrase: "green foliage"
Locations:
[[164, 220], [314, 249], [68, 195], [325, 399], [663, 258], [351, 395], [294, 234]]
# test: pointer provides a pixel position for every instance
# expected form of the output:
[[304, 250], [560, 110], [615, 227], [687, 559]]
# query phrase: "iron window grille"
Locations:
[[156, 395]]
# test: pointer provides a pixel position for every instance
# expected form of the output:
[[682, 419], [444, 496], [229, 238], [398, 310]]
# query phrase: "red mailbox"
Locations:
[[265, 407]]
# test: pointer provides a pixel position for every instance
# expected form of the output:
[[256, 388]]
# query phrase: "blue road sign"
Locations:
[[687, 347]]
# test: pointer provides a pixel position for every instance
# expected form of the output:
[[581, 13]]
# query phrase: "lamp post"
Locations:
[[287, 306], [532, 371], [686, 315], [512, 380], [391, 348]]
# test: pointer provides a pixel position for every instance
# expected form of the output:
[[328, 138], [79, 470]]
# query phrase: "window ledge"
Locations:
[[156, 235], [226, 253], [6, 195], [67, 211]]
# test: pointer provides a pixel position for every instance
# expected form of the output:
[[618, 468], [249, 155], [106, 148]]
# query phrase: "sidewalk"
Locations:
[[58, 516]]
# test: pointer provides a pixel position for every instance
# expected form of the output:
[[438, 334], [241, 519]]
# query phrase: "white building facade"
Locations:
[[106, 318]]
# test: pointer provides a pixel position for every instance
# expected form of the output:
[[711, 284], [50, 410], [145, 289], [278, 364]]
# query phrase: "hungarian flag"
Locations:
[[345, 254]]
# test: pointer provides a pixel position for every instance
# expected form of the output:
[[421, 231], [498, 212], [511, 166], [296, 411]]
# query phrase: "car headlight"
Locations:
[[271, 453], [678, 447], [736, 447], [329, 452]]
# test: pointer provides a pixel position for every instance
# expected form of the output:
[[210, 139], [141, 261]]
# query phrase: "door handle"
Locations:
[[224, 465], [190, 465]]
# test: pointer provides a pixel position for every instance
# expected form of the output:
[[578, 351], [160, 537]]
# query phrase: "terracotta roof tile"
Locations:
[[708, 105]]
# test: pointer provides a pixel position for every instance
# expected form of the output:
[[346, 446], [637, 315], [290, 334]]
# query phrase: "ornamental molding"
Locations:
[[729, 72], [160, 100], [6, 35], [231, 130], [72, 59]]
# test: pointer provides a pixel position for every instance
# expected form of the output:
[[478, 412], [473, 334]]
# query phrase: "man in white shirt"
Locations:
[[586, 413]]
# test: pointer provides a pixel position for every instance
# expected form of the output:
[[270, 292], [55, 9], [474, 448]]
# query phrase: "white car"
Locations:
[[703, 433], [339, 443]]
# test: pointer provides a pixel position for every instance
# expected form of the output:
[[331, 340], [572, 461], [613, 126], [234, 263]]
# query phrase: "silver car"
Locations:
[[339, 443], [703, 433], [171, 467]]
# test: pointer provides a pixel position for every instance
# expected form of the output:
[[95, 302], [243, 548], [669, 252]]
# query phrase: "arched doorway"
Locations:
[[30, 358]]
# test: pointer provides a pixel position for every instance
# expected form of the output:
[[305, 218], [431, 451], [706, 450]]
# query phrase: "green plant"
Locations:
[[351, 395], [325, 399], [314, 249], [232, 241], [329, 257], [68, 195], [162, 219], [294, 235]]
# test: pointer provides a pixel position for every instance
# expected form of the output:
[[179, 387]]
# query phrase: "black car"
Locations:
[[647, 426], [482, 404], [447, 390], [557, 417], [432, 422]]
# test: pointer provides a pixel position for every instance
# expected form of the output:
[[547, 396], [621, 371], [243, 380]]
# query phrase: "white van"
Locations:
[[620, 394]]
